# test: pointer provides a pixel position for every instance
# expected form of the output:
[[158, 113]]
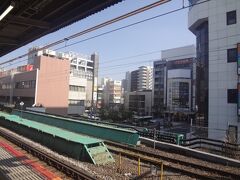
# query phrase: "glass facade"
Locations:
[[179, 95], [159, 75], [137, 104], [202, 69]]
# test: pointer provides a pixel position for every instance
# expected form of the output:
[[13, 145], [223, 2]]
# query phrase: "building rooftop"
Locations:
[[183, 52]]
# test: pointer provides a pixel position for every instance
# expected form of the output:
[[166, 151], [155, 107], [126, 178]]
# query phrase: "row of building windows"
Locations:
[[77, 88], [232, 53], [74, 102], [5, 86], [25, 84]]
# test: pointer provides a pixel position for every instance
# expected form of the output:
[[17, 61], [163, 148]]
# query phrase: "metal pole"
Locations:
[[139, 166], [154, 138], [161, 173], [21, 112], [92, 104], [120, 162]]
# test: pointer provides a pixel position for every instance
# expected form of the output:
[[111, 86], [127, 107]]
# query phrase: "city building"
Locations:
[[138, 90], [99, 97], [141, 79], [61, 83], [139, 102], [216, 25], [174, 81], [127, 84], [112, 94], [134, 80], [145, 74]]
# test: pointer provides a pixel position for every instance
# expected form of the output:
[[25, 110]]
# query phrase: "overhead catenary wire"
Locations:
[[123, 27], [109, 68], [101, 25], [144, 61]]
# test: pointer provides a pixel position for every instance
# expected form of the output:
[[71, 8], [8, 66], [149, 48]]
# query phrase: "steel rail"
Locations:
[[62, 166], [155, 159]]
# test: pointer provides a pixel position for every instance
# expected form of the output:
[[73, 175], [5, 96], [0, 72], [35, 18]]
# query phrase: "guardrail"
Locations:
[[217, 146], [173, 138]]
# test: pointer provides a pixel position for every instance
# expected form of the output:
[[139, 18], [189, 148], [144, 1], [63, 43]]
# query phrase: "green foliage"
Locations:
[[115, 115]]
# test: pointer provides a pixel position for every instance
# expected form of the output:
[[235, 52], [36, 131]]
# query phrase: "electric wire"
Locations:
[[106, 23], [123, 27], [107, 68]]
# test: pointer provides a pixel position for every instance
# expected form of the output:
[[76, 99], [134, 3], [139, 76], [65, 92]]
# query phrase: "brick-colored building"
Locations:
[[46, 84], [61, 83]]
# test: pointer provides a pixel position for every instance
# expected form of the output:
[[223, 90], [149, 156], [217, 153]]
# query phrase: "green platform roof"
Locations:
[[58, 132], [85, 122]]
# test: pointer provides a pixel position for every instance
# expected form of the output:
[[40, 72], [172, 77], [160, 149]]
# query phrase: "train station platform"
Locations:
[[15, 165]]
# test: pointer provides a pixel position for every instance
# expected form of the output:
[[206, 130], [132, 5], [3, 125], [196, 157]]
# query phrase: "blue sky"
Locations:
[[165, 32]]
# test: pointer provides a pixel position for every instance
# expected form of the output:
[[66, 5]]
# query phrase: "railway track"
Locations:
[[193, 169], [60, 165]]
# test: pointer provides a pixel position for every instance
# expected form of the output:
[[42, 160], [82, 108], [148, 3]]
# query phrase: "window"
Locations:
[[5, 86], [231, 17], [232, 96], [73, 102], [25, 84], [232, 55], [77, 88]]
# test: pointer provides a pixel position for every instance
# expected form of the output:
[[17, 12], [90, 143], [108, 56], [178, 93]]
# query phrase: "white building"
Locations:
[[179, 78], [112, 94], [174, 77], [144, 78], [216, 24]]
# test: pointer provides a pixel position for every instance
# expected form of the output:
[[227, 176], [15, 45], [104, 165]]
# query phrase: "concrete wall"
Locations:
[[222, 75], [53, 83]]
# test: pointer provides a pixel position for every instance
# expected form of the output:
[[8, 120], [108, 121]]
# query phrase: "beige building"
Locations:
[[112, 94]]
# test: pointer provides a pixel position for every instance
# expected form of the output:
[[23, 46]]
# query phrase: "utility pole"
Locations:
[[95, 59], [93, 77]]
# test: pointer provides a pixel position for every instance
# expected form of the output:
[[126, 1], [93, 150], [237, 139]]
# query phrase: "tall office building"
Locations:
[[144, 78], [138, 91], [141, 79], [174, 81], [216, 25], [112, 94], [134, 80]]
